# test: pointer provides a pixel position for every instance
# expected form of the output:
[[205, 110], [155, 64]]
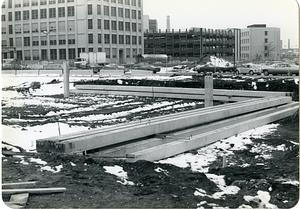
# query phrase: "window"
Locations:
[[17, 3], [62, 54], [127, 39], [90, 38], [72, 54], [43, 2], [34, 27], [52, 1], [62, 40], [19, 55], [98, 9], [90, 23], [11, 42], [91, 50], [134, 52], [266, 33], [25, 3], [106, 24], [134, 27], [61, 26], [114, 52], [133, 14], [43, 13], [71, 11], [133, 2], [4, 30], [266, 48], [17, 15], [139, 15], [107, 52], [71, 39], [120, 12], [44, 40], [61, 12], [44, 54], [9, 3], [140, 27], [99, 39], [35, 41], [114, 25], [34, 14], [53, 41], [114, 39], [52, 26], [106, 10], [140, 40], [99, 23], [90, 9], [134, 40], [127, 26], [127, 2], [44, 26], [127, 53], [34, 2], [140, 3], [113, 1], [27, 55], [26, 28], [106, 38], [61, 1], [121, 39], [266, 40], [120, 1], [10, 16], [113, 11], [121, 26], [99, 49], [53, 54], [71, 25], [52, 12], [26, 41], [127, 13]]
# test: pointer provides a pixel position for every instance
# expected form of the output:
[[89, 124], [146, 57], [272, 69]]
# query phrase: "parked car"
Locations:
[[281, 68], [213, 69], [248, 69]]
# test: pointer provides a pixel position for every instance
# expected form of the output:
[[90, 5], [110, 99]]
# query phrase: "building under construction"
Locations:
[[196, 43]]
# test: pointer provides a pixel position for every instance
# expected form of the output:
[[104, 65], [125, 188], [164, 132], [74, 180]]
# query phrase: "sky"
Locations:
[[222, 14]]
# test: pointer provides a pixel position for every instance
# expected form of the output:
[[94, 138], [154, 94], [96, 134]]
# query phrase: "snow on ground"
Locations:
[[200, 162], [56, 169], [27, 137], [262, 198], [120, 173]]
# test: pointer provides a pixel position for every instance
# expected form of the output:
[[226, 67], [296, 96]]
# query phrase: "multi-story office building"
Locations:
[[196, 43], [259, 43], [149, 24], [62, 29]]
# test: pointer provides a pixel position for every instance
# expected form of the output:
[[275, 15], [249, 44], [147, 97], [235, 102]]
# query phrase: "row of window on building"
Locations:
[[108, 39], [61, 26], [26, 3], [134, 14], [245, 41], [245, 48], [61, 54]]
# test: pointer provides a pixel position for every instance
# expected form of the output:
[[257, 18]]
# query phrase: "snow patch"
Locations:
[[262, 199], [38, 161], [120, 173]]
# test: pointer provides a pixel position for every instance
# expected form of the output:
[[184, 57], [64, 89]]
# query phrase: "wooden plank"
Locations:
[[19, 199], [181, 146], [34, 191], [79, 144], [18, 184]]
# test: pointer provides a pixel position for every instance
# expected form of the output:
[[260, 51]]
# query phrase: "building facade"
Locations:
[[259, 43], [149, 24], [196, 43], [62, 29]]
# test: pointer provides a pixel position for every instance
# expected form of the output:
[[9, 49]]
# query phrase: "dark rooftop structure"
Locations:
[[257, 26]]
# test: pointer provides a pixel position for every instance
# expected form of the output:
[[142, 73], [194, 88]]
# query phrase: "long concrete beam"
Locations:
[[180, 146], [94, 141], [174, 90], [131, 147]]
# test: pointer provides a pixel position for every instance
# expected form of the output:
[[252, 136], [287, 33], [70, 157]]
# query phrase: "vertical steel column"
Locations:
[[208, 97]]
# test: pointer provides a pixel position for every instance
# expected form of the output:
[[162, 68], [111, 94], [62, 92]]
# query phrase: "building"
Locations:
[[168, 23], [196, 43], [149, 24], [259, 43], [62, 29]]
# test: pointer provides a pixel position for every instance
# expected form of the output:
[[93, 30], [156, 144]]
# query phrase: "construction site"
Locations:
[[149, 141]]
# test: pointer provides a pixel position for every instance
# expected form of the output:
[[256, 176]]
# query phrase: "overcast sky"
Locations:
[[218, 14]]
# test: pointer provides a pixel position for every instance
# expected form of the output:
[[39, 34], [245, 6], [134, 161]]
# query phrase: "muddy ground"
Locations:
[[89, 186]]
